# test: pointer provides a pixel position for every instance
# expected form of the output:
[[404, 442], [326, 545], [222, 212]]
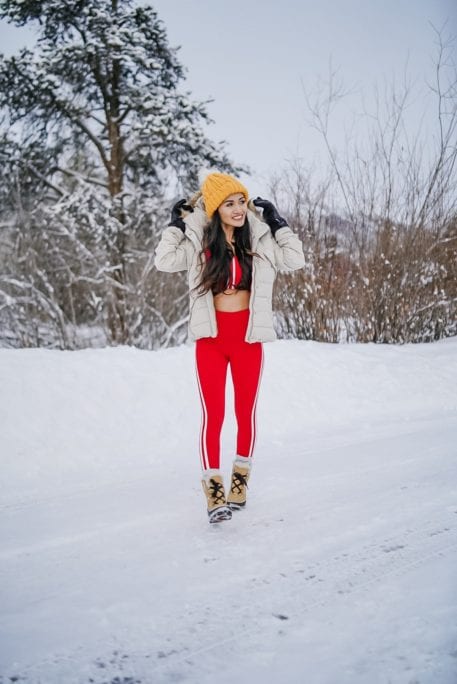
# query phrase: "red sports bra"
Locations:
[[235, 274]]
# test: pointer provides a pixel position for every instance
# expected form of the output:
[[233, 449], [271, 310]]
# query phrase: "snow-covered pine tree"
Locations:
[[96, 129]]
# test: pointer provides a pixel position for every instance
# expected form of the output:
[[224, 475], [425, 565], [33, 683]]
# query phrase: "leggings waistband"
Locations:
[[241, 314]]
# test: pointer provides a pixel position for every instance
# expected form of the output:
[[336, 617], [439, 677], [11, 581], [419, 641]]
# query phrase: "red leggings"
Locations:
[[213, 354]]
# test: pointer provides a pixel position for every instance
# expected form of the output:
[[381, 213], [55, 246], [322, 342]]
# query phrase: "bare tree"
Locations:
[[381, 267]]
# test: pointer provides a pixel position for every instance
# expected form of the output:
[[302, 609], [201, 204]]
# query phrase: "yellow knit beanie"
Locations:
[[217, 187]]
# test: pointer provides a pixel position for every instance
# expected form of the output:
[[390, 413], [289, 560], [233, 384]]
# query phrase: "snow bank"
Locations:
[[72, 418]]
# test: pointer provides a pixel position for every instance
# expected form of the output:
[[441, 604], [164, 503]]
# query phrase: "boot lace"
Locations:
[[238, 482], [216, 490]]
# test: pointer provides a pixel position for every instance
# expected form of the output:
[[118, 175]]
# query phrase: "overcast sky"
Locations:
[[254, 58]]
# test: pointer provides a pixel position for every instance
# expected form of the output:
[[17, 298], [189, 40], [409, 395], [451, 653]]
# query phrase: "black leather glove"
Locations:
[[176, 218], [270, 214]]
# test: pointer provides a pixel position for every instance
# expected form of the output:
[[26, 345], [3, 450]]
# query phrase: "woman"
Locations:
[[232, 257]]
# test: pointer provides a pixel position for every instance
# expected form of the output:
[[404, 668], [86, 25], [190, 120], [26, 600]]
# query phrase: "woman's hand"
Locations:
[[270, 214], [176, 216]]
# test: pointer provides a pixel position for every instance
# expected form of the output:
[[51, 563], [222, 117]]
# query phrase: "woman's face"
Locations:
[[233, 211]]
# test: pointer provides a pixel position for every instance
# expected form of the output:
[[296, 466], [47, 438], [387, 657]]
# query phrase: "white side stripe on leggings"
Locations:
[[203, 428], [254, 411]]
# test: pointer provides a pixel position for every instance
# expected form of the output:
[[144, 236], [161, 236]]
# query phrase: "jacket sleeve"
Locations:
[[288, 250], [171, 253]]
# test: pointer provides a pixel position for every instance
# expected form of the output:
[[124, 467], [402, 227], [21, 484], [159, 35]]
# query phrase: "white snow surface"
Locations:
[[342, 569]]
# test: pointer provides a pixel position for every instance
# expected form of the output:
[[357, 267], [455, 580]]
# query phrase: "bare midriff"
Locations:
[[232, 300]]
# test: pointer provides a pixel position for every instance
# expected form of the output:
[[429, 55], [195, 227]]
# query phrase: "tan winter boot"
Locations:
[[214, 491], [240, 476]]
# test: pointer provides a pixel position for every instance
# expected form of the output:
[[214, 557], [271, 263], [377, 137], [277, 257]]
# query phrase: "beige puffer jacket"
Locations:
[[178, 251]]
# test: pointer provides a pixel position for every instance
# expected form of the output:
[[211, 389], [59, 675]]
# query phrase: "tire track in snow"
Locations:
[[296, 509], [307, 584], [334, 579]]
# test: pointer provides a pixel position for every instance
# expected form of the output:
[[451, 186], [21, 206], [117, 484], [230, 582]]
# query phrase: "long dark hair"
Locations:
[[217, 255]]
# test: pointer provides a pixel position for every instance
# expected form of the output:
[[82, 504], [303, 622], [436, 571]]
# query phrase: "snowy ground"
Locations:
[[342, 570]]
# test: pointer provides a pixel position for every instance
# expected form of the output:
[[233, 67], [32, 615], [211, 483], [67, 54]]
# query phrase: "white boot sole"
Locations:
[[220, 514], [236, 506]]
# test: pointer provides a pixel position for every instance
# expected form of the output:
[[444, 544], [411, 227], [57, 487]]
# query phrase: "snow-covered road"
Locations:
[[342, 570]]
